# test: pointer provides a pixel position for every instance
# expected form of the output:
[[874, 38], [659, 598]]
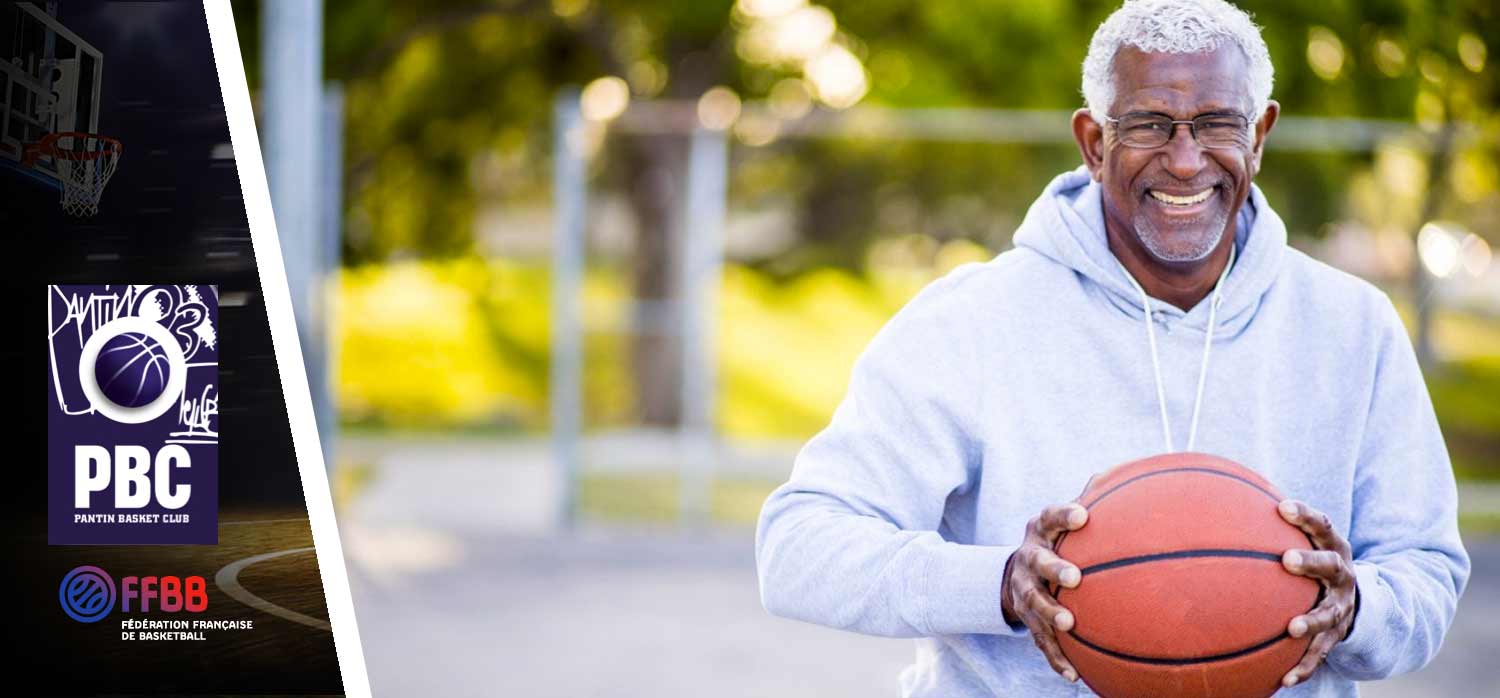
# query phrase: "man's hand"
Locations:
[[1331, 563], [1024, 595]]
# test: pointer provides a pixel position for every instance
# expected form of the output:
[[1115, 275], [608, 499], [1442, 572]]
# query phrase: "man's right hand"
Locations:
[[1024, 596]]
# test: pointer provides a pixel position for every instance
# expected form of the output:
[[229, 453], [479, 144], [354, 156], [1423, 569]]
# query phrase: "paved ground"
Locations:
[[615, 613], [461, 590], [605, 614]]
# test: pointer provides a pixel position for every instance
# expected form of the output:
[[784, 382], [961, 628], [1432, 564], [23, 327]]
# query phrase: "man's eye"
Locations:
[[1220, 124], [1146, 126]]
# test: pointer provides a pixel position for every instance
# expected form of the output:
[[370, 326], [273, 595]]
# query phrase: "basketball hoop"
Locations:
[[84, 162]]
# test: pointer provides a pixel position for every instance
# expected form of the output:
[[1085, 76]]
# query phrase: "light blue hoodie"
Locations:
[[1003, 386]]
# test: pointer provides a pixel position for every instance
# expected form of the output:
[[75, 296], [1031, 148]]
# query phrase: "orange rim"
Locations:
[[48, 147]]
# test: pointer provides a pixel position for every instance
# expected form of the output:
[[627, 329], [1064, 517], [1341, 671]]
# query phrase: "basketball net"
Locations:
[[84, 162]]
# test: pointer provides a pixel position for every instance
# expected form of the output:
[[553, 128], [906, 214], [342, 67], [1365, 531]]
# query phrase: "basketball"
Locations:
[[132, 369], [1183, 593]]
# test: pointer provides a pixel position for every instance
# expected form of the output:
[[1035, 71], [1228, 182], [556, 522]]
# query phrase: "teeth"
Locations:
[[1182, 200]]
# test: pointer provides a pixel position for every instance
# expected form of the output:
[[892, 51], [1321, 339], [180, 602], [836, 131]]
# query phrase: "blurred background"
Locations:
[[576, 278]]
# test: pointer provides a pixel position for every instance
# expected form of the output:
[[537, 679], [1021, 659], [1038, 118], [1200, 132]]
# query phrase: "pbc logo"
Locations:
[[87, 594], [132, 421]]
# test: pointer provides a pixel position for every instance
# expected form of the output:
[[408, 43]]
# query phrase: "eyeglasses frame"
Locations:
[[1192, 128]]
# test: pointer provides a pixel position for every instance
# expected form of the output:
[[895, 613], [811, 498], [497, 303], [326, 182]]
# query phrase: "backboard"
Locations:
[[49, 83]]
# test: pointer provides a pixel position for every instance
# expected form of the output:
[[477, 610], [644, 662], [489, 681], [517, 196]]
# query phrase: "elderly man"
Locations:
[[929, 506]]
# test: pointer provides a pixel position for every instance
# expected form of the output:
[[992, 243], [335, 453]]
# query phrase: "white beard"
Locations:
[[1189, 249]]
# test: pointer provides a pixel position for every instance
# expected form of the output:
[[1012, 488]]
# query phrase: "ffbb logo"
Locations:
[[133, 414], [88, 594]]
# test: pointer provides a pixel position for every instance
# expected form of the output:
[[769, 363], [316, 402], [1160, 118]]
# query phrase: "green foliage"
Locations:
[[1484, 524], [1466, 395], [465, 343], [442, 344]]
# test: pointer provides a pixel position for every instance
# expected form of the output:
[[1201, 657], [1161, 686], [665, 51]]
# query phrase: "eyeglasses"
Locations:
[[1151, 130]]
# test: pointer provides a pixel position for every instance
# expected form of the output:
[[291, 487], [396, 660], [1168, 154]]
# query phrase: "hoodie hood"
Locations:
[[1066, 225]]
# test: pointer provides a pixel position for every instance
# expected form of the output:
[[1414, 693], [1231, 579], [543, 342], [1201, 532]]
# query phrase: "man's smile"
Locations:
[[1181, 200]]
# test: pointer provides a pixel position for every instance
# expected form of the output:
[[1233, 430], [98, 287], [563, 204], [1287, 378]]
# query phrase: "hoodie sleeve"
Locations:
[[851, 540], [1409, 561]]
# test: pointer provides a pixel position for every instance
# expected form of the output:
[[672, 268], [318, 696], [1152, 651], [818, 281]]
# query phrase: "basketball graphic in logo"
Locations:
[[87, 594], [132, 369]]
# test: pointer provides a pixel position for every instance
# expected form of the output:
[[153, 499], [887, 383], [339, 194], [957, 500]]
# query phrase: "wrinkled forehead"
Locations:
[[1182, 84]]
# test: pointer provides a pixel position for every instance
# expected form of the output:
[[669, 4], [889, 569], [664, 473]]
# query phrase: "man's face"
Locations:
[[1181, 197]]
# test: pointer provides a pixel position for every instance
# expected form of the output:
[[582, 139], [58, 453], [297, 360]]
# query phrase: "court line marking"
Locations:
[[228, 581]]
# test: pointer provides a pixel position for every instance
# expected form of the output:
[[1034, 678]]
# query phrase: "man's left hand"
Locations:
[[1332, 564]]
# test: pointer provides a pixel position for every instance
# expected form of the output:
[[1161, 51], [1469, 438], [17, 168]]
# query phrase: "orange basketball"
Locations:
[[1183, 593]]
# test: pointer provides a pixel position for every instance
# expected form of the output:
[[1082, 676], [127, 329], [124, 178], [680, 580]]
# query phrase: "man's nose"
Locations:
[[1183, 153]]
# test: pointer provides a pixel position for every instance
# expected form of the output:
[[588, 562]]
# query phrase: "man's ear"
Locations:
[[1262, 128], [1090, 137]]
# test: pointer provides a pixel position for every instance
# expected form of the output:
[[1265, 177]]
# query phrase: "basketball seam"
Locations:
[[1057, 546], [1185, 554], [1209, 471], [1173, 661], [1178, 554]]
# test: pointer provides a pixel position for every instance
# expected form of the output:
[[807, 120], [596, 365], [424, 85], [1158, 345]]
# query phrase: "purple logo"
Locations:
[[132, 415], [87, 594]]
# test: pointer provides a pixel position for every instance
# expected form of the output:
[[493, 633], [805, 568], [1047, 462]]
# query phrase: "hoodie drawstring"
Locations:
[[1208, 342]]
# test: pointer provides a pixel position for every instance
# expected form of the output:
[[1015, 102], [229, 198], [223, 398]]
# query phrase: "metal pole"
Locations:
[[702, 263], [292, 125], [1424, 286], [570, 198], [327, 279]]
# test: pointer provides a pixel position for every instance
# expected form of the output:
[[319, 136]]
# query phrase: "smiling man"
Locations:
[[929, 506]]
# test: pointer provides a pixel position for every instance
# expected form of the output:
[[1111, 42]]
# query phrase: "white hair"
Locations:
[[1174, 26]]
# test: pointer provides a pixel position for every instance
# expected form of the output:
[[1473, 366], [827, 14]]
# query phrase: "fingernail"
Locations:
[[1288, 508], [1070, 577], [1298, 627], [1077, 517], [1293, 559], [1290, 680], [1070, 675], [1063, 620]]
